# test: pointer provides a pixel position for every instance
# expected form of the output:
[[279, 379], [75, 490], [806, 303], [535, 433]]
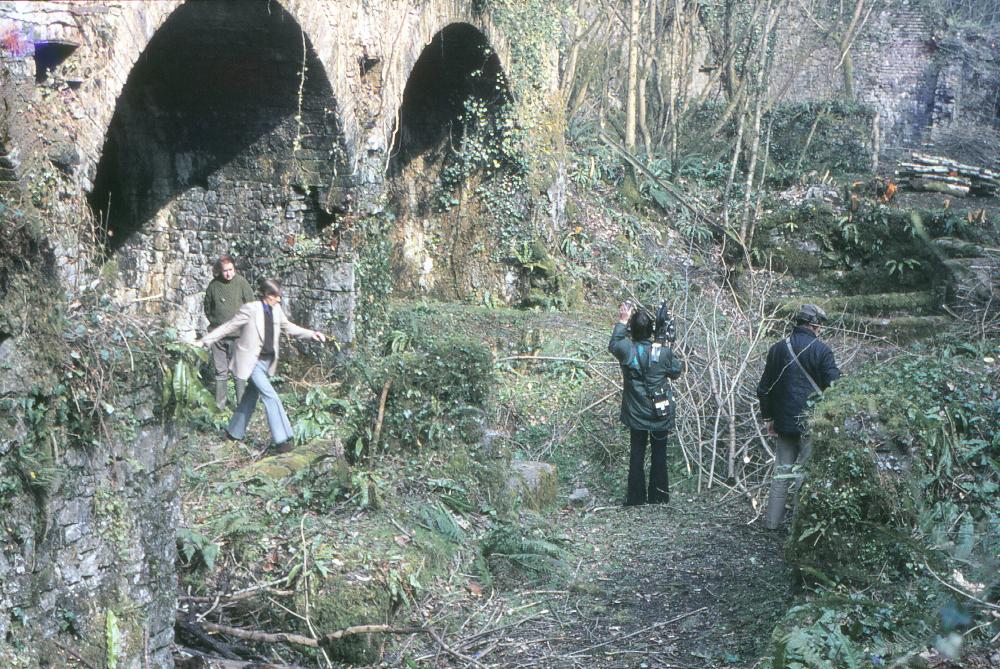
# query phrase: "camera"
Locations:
[[664, 330]]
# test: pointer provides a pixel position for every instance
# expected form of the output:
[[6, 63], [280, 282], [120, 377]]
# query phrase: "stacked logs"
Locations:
[[941, 175]]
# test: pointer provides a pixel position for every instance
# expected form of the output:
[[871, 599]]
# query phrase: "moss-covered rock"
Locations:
[[283, 465], [536, 483]]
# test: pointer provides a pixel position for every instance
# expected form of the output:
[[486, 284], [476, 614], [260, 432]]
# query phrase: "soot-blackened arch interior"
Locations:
[[457, 65], [213, 104]]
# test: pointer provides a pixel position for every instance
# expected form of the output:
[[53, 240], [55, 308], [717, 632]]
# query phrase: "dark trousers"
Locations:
[[659, 487]]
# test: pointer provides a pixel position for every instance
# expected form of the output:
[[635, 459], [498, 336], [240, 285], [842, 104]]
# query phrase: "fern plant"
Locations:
[[819, 645], [183, 392], [437, 518], [520, 550]]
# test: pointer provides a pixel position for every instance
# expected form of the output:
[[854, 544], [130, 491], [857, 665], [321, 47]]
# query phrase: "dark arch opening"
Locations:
[[218, 144], [457, 67], [455, 169]]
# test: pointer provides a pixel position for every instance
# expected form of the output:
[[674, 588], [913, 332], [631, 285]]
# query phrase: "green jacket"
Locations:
[[641, 377], [224, 298]]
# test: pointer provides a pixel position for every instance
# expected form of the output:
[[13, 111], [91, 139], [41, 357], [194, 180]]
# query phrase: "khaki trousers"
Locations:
[[791, 451], [222, 354]]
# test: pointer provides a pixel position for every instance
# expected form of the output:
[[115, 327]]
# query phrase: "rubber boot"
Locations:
[[778, 496], [241, 385], [220, 394]]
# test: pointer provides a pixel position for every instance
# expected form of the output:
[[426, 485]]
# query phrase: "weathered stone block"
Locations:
[[536, 483]]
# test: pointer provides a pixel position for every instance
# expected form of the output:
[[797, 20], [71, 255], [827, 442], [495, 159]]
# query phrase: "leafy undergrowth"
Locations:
[[423, 531], [898, 522], [422, 534]]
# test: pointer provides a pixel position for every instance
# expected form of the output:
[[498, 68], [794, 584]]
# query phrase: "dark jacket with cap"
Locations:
[[784, 389], [640, 376]]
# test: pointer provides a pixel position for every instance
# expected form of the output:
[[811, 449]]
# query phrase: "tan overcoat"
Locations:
[[250, 321]]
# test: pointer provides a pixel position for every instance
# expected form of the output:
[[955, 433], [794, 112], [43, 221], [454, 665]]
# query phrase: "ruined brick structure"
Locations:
[[895, 69], [164, 133], [169, 132]]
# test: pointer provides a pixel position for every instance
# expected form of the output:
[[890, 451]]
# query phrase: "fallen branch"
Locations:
[[239, 594], [637, 632], [557, 359], [199, 660], [377, 431], [329, 638], [669, 188], [945, 583], [594, 404], [74, 654]]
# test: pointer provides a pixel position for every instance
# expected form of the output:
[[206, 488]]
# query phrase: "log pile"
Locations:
[[941, 175]]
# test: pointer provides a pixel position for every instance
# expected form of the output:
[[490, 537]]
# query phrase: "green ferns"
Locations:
[[426, 394], [897, 524], [814, 643], [524, 550]]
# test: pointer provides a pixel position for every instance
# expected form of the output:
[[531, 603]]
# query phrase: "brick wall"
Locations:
[[895, 69]]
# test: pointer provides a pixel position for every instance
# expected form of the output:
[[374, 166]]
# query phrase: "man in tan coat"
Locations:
[[260, 324]]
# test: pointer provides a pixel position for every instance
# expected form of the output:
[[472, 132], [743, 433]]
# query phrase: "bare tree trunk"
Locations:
[[631, 85], [737, 150], [647, 68], [847, 72], [846, 40], [569, 72], [760, 93]]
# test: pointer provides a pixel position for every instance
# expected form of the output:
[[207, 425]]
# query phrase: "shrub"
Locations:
[[900, 495], [430, 392], [819, 136]]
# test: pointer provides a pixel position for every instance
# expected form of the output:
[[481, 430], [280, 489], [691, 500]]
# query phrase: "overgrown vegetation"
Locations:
[[395, 506], [897, 523]]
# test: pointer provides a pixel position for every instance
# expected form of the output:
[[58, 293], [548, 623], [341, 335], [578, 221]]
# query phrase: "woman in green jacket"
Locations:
[[647, 401]]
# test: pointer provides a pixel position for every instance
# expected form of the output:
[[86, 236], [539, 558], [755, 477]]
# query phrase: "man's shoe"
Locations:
[[284, 447], [229, 437]]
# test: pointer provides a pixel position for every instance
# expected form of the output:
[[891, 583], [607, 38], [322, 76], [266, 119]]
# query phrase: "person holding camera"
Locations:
[[648, 364], [798, 367]]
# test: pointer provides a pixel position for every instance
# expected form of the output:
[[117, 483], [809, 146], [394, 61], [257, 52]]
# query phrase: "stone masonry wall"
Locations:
[[895, 70], [180, 165]]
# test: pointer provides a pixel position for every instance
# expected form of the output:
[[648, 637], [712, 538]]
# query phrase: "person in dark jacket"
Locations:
[[226, 293], [647, 401], [798, 367]]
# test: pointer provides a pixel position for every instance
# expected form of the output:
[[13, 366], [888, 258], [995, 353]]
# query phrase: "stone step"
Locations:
[[850, 307], [901, 329], [952, 247]]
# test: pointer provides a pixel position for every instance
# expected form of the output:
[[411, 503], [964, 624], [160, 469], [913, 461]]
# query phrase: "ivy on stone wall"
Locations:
[[372, 276], [532, 27], [491, 152]]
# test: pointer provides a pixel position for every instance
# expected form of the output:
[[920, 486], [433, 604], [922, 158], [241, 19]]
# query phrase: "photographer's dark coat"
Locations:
[[783, 389], [639, 375]]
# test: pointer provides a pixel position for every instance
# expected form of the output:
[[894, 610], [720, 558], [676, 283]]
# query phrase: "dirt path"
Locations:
[[687, 585]]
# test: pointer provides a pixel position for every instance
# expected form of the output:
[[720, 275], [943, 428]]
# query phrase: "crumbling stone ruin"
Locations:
[[148, 138], [143, 140]]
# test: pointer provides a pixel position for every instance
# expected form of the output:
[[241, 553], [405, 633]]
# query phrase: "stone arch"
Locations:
[[219, 144], [456, 103], [457, 63]]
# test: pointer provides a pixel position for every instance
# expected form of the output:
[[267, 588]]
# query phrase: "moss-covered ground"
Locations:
[[323, 539]]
